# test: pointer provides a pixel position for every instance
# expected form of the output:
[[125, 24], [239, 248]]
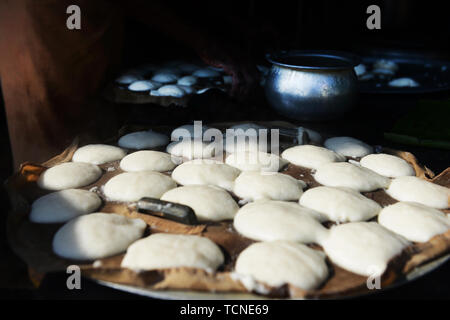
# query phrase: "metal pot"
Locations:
[[312, 85]]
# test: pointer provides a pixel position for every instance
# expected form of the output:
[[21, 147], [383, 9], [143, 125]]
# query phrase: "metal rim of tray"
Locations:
[[199, 295]]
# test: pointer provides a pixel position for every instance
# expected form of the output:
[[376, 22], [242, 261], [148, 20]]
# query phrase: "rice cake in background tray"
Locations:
[[382, 71]]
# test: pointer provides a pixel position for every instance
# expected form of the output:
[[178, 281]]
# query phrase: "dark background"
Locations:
[[258, 27]]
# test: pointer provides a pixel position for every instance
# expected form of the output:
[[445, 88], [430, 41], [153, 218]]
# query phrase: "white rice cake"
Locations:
[[283, 262], [348, 146], [418, 190], [147, 160], [340, 204], [98, 154], [61, 206], [414, 221], [143, 85], [403, 82], [69, 175], [165, 77], [208, 202], [364, 248], [206, 73], [269, 220], [164, 251], [310, 156], [96, 236], [272, 186], [143, 140], [132, 186], [170, 90], [206, 172], [387, 165], [347, 175], [187, 81]]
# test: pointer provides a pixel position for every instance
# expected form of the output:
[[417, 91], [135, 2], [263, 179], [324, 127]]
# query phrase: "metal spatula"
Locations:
[[167, 210]]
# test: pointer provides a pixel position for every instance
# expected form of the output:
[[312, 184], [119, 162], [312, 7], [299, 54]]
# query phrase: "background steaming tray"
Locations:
[[118, 93], [433, 75], [33, 242]]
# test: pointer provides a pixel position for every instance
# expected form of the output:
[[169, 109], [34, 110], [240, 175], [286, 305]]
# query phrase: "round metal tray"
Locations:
[[197, 295]]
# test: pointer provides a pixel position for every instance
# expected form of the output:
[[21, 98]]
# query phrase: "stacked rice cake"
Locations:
[[316, 225]]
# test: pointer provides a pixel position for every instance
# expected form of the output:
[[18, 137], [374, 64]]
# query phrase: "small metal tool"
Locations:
[[167, 210], [298, 134]]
